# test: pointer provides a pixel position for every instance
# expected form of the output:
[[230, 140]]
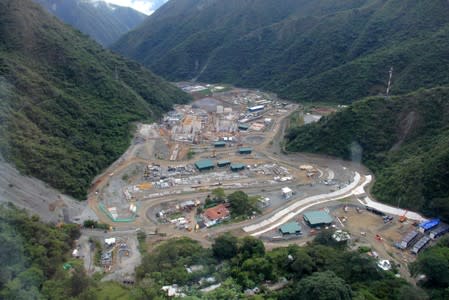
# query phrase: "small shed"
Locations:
[[245, 150], [223, 163], [204, 164], [290, 228], [287, 192], [237, 167], [317, 218]]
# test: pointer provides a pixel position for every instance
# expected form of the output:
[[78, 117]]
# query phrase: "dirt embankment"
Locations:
[[38, 198]]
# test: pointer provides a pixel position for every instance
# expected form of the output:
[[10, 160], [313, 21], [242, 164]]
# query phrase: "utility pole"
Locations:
[[389, 82]]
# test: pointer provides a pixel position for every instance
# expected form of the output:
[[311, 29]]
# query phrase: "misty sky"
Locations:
[[145, 6]]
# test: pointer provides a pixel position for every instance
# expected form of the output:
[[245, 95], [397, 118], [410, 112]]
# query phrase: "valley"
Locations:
[[282, 150], [160, 184]]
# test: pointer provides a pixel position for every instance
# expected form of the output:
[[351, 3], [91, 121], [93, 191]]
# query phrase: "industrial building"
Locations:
[[408, 239], [223, 163], [290, 228], [256, 108], [420, 244], [317, 218], [237, 167], [245, 150], [428, 225], [204, 165], [439, 231]]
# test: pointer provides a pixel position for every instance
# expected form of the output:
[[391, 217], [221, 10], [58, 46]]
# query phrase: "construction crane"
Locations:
[[389, 82]]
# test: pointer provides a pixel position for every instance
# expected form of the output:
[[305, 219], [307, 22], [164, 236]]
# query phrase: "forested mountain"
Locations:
[[403, 139], [66, 103], [102, 21], [323, 50]]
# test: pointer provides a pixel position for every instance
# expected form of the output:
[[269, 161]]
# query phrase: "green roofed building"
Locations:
[[237, 167], [317, 218], [219, 144], [223, 163], [204, 164], [245, 150], [290, 228]]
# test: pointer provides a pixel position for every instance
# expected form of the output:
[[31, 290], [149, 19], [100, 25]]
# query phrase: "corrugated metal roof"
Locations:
[[420, 244], [429, 224], [204, 164], [317, 217], [410, 236], [245, 149], [290, 228], [237, 166]]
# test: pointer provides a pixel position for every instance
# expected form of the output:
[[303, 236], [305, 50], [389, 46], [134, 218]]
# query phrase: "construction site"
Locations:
[[230, 138], [212, 142]]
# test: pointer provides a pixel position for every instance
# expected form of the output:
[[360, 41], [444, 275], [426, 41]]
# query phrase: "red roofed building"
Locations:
[[215, 214]]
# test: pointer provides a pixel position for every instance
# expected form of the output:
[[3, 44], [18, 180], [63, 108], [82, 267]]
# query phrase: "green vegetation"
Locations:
[[434, 264], [94, 224], [242, 204], [35, 271], [402, 139], [296, 119], [323, 50], [33, 255], [105, 23], [315, 271], [67, 104]]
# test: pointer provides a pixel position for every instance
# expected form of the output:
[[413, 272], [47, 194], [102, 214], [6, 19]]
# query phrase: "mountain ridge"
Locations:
[[67, 103], [402, 139], [102, 21], [304, 50]]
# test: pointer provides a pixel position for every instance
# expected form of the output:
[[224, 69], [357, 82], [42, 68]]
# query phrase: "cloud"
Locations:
[[145, 6]]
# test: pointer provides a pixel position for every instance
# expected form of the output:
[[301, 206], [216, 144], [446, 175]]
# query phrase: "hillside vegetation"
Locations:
[[66, 103], [103, 22], [404, 140], [323, 50]]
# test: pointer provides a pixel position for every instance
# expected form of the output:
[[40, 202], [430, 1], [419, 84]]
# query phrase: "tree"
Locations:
[[219, 194], [322, 286], [410, 292], [302, 264], [434, 263], [251, 247], [225, 246], [324, 237], [259, 269], [78, 282], [229, 290], [241, 204]]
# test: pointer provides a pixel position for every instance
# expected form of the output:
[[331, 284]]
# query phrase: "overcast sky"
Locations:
[[145, 6]]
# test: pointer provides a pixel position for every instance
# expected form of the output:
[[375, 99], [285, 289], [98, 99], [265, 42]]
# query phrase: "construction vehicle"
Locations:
[[403, 218]]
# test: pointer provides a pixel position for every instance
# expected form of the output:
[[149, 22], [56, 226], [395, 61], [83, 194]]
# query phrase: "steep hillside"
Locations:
[[404, 140], [66, 103], [325, 50], [103, 22]]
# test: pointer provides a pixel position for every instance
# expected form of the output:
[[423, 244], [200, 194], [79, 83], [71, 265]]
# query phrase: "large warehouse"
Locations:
[[317, 218], [204, 165]]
